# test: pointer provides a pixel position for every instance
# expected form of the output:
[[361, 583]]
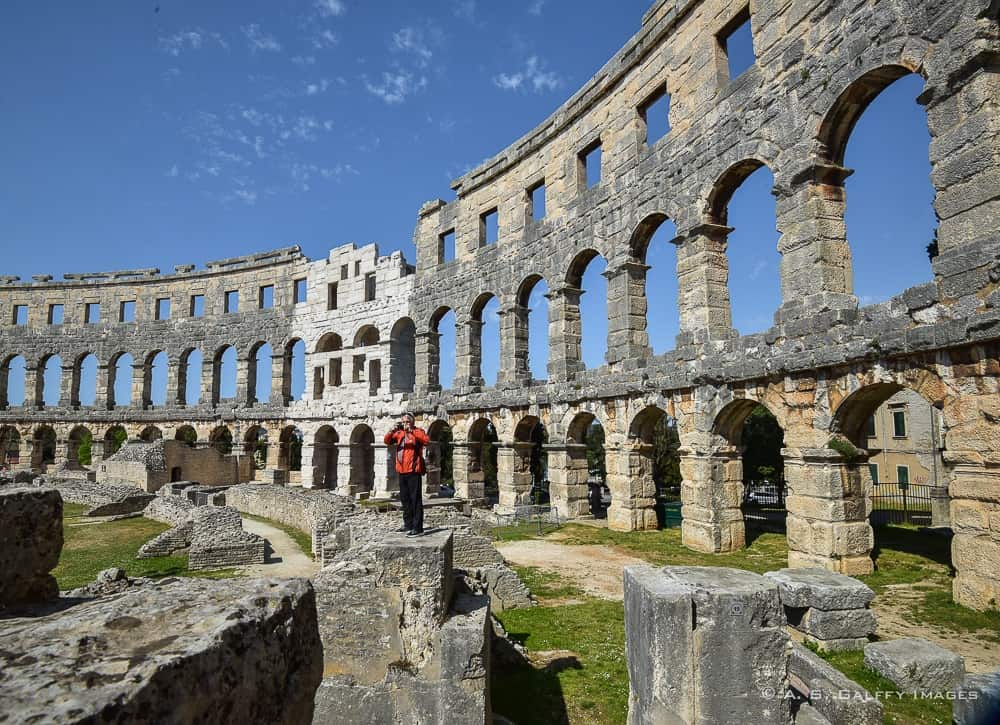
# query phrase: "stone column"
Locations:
[[141, 385], [469, 355], [279, 394], [627, 335], [174, 379], [23, 455], [66, 387], [514, 345], [344, 469], [307, 475], [243, 392], [104, 389], [61, 457], [209, 383], [386, 479], [32, 387], [828, 505], [432, 478], [469, 485], [514, 474], [975, 519], [96, 451], [703, 284], [711, 495], [568, 474], [272, 473], [565, 333], [428, 358], [633, 493]]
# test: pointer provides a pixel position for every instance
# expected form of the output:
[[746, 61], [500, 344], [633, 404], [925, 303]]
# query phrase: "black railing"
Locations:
[[764, 504], [901, 503]]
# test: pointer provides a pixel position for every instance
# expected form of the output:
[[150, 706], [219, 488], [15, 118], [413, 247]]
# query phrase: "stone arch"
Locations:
[[187, 434], [114, 438], [221, 439], [79, 451], [366, 336], [43, 448], [151, 433], [10, 447], [78, 396], [570, 323], [48, 381], [154, 379], [290, 449], [325, 454], [522, 465], [12, 375], [475, 460], [722, 191], [435, 378], [292, 377], [518, 336], [362, 472], [402, 356], [120, 374], [439, 456], [259, 374], [640, 298], [329, 342], [225, 362], [189, 383], [255, 445], [471, 357]]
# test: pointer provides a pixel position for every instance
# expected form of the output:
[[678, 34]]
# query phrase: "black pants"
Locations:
[[412, 498]]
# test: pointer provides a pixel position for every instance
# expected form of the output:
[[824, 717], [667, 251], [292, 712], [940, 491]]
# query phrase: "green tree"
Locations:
[[84, 453], [595, 451], [763, 440], [666, 462]]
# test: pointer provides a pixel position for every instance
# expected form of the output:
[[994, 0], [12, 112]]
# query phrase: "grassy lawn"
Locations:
[[301, 538], [89, 548]]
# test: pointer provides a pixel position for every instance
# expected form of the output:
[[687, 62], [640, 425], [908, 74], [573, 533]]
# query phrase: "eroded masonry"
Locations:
[[369, 324]]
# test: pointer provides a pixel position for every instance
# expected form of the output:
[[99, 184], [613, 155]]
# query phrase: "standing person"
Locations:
[[409, 441]]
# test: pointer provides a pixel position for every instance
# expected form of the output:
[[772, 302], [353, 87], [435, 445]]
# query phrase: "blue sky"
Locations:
[[152, 133]]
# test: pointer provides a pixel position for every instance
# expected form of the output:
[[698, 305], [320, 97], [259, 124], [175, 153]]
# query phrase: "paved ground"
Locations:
[[286, 560]]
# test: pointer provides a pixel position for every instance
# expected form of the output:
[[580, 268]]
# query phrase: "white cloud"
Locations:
[[170, 73], [304, 60], [190, 40], [535, 8], [759, 267], [331, 7], [325, 39], [395, 87], [533, 77], [259, 40], [173, 172], [465, 9], [411, 40]]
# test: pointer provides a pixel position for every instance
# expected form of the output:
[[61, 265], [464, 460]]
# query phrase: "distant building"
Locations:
[[904, 437]]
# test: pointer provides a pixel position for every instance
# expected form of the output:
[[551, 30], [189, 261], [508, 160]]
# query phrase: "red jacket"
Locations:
[[409, 449]]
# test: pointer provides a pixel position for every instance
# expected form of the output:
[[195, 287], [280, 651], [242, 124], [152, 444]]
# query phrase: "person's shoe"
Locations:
[[415, 533], [403, 530]]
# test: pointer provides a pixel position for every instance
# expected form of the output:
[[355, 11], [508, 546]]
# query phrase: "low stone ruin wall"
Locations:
[[31, 539], [103, 499], [214, 534]]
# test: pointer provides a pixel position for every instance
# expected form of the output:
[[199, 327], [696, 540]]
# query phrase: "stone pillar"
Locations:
[[469, 485], [428, 359], [105, 391], [279, 395], [432, 478], [514, 474], [32, 387], [61, 456], [469, 354], [975, 519], [627, 335], [828, 505], [307, 474], [565, 333], [243, 392], [386, 479], [66, 387], [174, 383], [96, 451], [568, 476], [711, 495], [23, 453], [141, 385], [272, 473], [940, 506], [633, 493], [209, 383], [344, 469], [514, 345], [703, 284]]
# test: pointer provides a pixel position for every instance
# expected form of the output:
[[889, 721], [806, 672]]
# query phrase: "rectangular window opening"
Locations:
[[331, 296], [20, 315], [197, 305], [589, 162], [343, 271], [232, 302], [446, 246], [870, 427], [899, 424], [873, 470], [903, 475], [655, 115], [92, 312], [536, 201], [489, 227], [266, 300], [300, 291], [126, 311], [357, 269], [736, 44], [336, 376], [163, 308], [55, 314], [370, 287]]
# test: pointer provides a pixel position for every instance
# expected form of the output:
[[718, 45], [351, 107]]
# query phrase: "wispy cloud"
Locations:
[[465, 9], [532, 77], [304, 60], [411, 40], [535, 8], [173, 172], [396, 86], [325, 39], [759, 267], [331, 7], [317, 87], [190, 40], [170, 73], [258, 40]]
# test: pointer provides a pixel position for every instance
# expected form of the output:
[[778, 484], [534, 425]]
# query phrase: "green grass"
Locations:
[[301, 538], [588, 686], [906, 709], [89, 548], [548, 586]]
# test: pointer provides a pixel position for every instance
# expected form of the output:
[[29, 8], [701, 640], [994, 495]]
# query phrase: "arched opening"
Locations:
[[120, 384], [889, 216], [330, 342], [293, 378], [151, 433], [43, 448], [255, 446], [84, 390], [523, 466], [531, 331], [187, 434], [484, 340], [657, 463], [402, 356], [114, 439], [224, 374], [325, 458], [12, 382], [743, 201], [441, 349], [327, 365], [652, 245], [481, 474], [290, 450], [439, 456], [362, 479], [10, 447], [221, 439], [259, 373], [586, 311], [588, 472], [189, 377], [50, 381], [155, 383], [79, 448], [362, 370]]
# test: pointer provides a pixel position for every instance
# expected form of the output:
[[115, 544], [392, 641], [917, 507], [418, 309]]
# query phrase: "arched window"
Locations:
[[294, 378], [156, 369], [587, 275], [190, 373], [259, 381], [224, 378], [51, 380], [121, 372], [402, 356], [652, 245], [485, 341], [533, 303], [12, 381], [85, 383], [442, 349]]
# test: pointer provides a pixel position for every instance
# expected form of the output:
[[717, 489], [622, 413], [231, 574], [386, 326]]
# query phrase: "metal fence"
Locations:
[[901, 503], [764, 504]]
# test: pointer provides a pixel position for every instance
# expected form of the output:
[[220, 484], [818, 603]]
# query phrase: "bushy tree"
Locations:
[[763, 440], [84, 453], [666, 462], [595, 451]]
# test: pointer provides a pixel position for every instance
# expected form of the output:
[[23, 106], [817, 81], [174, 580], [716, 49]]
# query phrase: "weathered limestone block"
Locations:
[[820, 588], [836, 625], [916, 664], [978, 700], [218, 540], [31, 539], [834, 697], [188, 650], [679, 621]]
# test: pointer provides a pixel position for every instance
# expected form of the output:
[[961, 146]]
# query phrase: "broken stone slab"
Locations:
[[704, 644], [829, 693], [916, 664], [182, 650], [31, 539], [978, 700], [821, 589], [821, 624]]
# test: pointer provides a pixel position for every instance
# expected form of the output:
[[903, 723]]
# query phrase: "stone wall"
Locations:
[[31, 538]]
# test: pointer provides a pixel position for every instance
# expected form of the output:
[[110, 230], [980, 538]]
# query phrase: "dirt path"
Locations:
[[286, 559], [596, 569]]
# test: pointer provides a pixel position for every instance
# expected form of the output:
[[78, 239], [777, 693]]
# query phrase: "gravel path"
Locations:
[[286, 559]]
